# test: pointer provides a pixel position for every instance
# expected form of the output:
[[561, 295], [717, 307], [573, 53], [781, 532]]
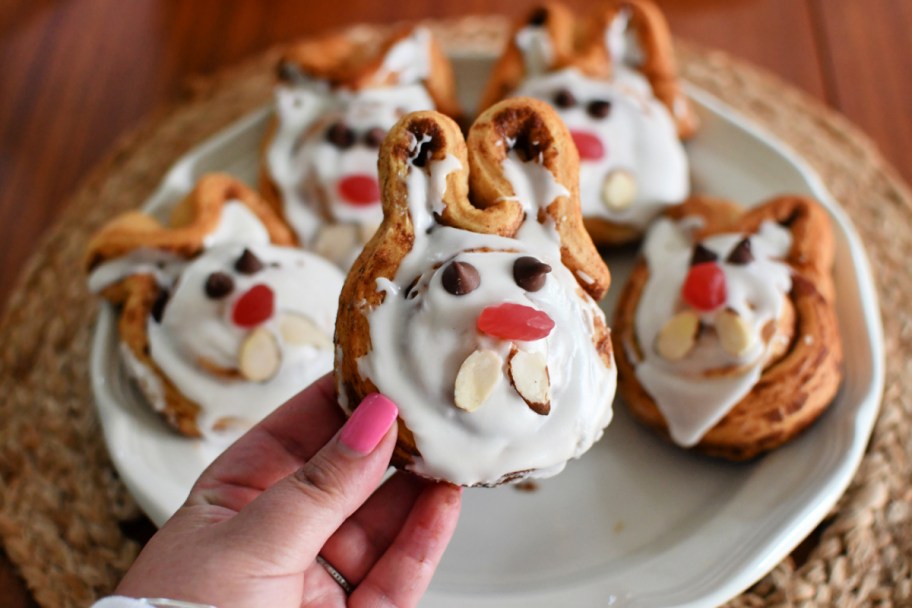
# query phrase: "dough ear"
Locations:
[[549, 44], [536, 133], [653, 56], [196, 216]]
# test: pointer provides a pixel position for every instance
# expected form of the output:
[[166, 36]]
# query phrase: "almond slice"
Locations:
[[300, 330], [678, 336], [619, 190], [337, 242], [529, 375], [735, 334], [477, 377], [259, 358]]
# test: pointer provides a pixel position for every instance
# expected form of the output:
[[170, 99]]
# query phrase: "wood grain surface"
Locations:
[[76, 75]]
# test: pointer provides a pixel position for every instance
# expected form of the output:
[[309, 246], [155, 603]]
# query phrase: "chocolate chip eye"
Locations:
[[218, 285], [701, 255], [564, 99], [742, 253], [158, 306], [374, 137], [248, 263], [530, 273], [340, 135], [599, 108], [460, 278]]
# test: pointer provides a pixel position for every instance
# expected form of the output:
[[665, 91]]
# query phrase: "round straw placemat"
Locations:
[[68, 523]]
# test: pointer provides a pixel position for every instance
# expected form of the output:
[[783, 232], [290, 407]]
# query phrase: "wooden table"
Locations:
[[76, 75]]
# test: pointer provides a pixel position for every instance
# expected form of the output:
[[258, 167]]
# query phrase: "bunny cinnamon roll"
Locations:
[[334, 102], [726, 334], [613, 80], [474, 306], [221, 320]]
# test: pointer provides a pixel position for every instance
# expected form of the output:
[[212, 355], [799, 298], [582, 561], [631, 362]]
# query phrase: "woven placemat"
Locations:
[[65, 517]]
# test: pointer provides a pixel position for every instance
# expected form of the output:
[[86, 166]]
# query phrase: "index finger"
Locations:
[[273, 449]]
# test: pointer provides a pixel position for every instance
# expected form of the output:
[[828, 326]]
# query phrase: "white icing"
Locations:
[[195, 327], [504, 435], [691, 402], [237, 224], [410, 58], [162, 265], [308, 169], [638, 135], [535, 45], [622, 43]]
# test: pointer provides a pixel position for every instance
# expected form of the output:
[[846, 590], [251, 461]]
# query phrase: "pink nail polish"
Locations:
[[369, 423]]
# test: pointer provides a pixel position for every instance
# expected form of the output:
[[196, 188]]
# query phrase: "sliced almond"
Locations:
[[619, 190], [529, 375], [678, 336], [366, 231], [477, 377], [735, 334], [300, 330], [259, 358], [337, 243]]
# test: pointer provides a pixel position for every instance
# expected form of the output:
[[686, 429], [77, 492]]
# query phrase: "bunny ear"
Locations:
[[192, 220], [527, 135], [813, 246], [540, 42], [635, 34], [424, 178]]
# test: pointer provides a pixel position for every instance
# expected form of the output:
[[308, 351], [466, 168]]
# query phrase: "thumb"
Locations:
[[289, 523]]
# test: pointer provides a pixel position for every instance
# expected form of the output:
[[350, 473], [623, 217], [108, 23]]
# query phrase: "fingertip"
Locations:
[[369, 424]]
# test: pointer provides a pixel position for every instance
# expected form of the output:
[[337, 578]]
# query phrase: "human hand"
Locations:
[[294, 488]]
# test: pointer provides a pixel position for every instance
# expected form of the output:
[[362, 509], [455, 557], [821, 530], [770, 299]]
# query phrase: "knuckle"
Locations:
[[322, 480]]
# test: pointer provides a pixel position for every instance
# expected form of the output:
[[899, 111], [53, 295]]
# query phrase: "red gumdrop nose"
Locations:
[[359, 189], [589, 146], [514, 322], [704, 287], [254, 306]]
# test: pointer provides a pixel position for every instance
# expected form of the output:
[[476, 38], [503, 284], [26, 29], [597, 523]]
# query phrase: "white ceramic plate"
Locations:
[[634, 522]]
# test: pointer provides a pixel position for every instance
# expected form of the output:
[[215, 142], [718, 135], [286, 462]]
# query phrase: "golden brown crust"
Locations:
[[474, 200], [797, 385], [192, 219], [581, 44], [190, 222]]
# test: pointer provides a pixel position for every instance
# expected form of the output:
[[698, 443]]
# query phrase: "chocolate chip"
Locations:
[[248, 263], [374, 137], [701, 255], [538, 17], [530, 273], [460, 278], [423, 154], [599, 108], [158, 306], [564, 99], [340, 136], [219, 285], [742, 253]]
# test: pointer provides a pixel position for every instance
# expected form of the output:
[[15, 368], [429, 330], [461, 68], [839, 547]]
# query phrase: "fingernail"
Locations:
[[368, 423]]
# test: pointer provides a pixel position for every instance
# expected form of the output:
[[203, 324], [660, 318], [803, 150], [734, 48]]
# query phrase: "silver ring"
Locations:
[[336, 575]]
